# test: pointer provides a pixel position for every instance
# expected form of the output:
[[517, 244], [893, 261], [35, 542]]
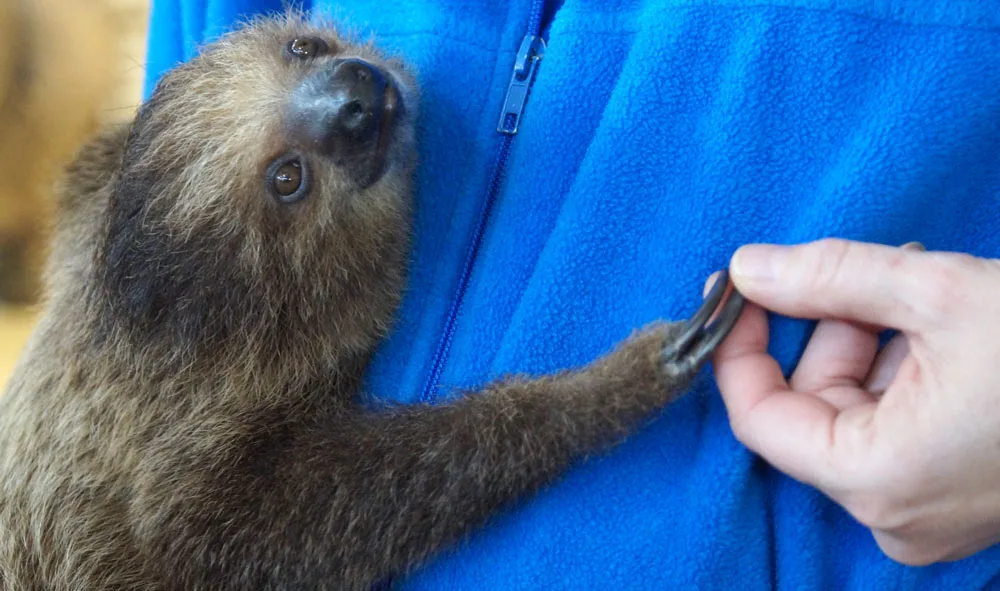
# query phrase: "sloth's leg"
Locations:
[[346, 498]]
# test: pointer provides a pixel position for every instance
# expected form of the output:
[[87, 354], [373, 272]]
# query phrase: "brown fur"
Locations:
[[185, 415], [55, 73]]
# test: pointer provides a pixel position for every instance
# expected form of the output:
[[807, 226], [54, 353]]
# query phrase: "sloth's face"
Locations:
[[283, 119], [344, 111], [266, 180]]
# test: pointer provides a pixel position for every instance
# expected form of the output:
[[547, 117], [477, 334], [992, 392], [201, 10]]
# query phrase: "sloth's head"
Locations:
[[262, 199]]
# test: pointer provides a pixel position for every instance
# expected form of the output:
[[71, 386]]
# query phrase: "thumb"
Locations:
[[832, 279]]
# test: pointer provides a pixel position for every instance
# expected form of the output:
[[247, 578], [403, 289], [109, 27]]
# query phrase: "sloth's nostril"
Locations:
[[340, 108]]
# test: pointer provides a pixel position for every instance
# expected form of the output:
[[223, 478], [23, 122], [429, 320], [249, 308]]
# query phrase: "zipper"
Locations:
[[526, 64]]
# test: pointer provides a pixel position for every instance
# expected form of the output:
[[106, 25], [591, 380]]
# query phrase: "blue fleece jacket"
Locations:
[[658, 137]]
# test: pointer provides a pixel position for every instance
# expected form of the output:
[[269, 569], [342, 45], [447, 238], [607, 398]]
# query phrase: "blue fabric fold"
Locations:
[[658, 137]]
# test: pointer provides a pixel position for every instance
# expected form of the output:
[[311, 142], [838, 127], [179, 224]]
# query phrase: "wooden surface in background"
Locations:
[[130, 22], [15, 326]]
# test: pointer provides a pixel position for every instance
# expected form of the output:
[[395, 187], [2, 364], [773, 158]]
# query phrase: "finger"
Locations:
[[835, 362], [930, 547], [743, 357], [886, 365], [833, 279], [844, 397], [800, 434], [883, 371], [748, 376], [748, 338]]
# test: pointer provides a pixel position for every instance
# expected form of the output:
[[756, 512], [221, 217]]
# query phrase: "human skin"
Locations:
[[905, 438]]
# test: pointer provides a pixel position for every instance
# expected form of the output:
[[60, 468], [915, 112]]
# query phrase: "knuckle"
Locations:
[[825, 261], [882, 510], [740, 430], [887, 503], [873, 511], [744, 430], [911, 552], [948, 286]]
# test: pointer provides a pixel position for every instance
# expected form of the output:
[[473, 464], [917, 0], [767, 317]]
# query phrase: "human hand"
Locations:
[[906, 440]]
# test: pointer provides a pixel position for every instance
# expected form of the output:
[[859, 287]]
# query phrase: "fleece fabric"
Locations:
[[659, 136]]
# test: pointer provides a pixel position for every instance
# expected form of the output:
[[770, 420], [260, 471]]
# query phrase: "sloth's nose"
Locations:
[[338, 109]]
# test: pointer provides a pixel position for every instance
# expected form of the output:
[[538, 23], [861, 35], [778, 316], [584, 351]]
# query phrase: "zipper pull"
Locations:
[[525, 66]]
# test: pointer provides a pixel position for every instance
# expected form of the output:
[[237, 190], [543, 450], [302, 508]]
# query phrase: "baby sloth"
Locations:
[[186, 415]]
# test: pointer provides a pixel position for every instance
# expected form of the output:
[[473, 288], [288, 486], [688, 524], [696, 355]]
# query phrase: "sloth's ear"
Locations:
[[92, 168]]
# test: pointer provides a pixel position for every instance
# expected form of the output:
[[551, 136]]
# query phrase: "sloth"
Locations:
[[188, 413]]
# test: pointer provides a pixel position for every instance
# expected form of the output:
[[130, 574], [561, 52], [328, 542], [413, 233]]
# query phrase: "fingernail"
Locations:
[[915, 246], [758, 262], [709, 283]]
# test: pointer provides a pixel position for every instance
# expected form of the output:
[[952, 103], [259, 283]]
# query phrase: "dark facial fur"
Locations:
[[198, 257], [184, 417]]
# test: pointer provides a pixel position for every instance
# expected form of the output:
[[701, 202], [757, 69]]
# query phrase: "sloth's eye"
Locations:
[[288, 180], [306, 47]]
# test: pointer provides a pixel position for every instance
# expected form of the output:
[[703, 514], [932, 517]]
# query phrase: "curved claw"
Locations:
[[688, 351]]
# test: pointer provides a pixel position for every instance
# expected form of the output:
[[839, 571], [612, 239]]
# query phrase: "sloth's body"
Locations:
[[185, 415]]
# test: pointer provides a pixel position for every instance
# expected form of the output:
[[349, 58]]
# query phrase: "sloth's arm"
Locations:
[[422, 477], [351, 497], [358, 496]]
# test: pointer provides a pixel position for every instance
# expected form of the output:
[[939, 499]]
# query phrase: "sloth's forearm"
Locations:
[[416, 479], [350, 498]]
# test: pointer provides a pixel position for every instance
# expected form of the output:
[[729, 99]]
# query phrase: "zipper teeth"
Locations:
[[444, 346], [535, 22], [448, 334]]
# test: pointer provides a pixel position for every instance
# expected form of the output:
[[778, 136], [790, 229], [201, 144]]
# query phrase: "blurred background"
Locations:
[[101, 73]]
